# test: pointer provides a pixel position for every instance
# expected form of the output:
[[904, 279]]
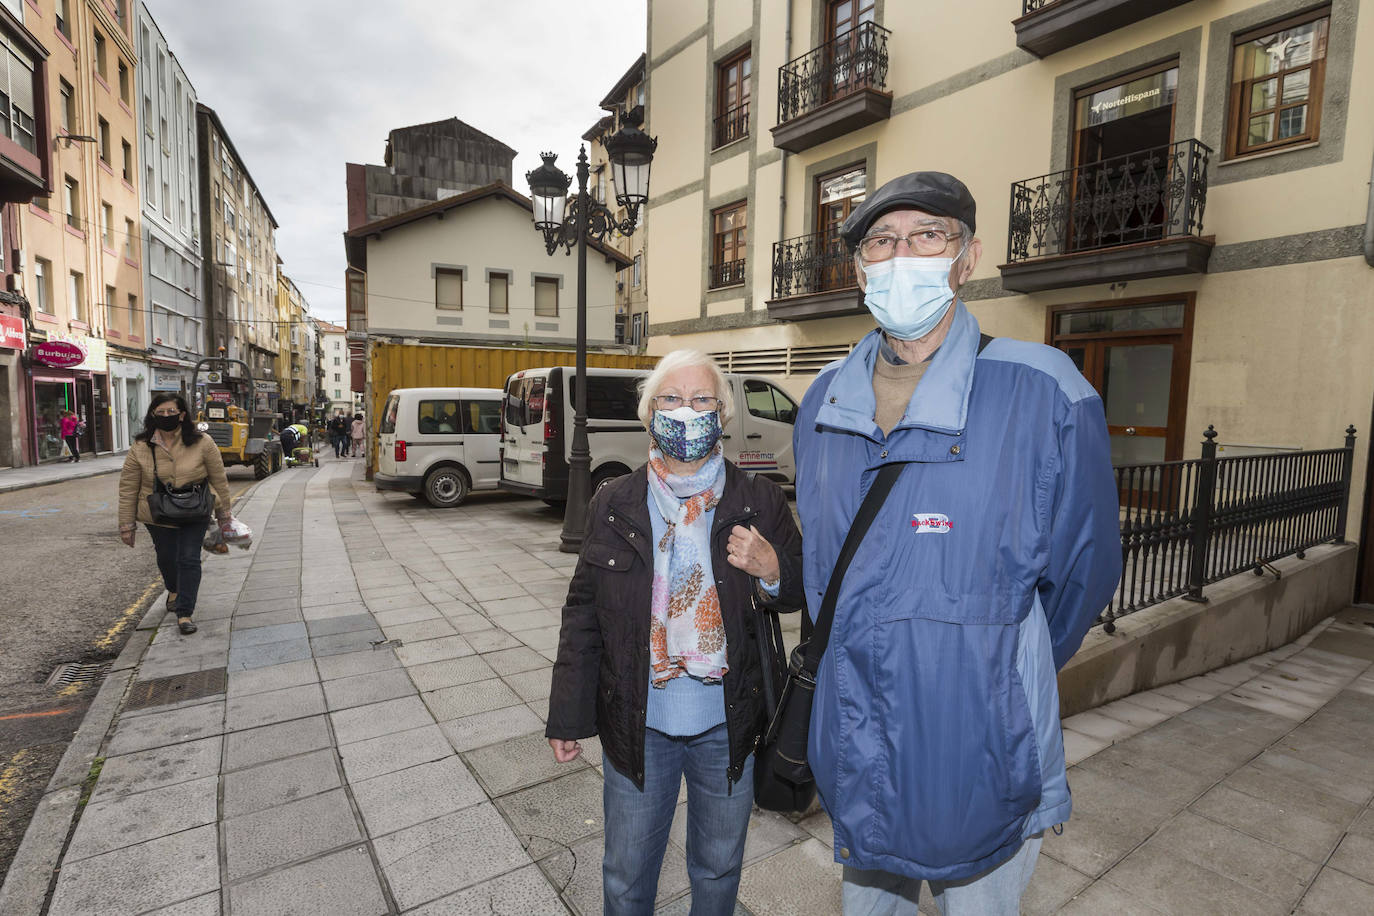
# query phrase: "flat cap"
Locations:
[[933, 192]]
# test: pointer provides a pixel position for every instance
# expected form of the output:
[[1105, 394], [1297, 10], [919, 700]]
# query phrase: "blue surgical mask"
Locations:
[[684, 434], [908, 296]]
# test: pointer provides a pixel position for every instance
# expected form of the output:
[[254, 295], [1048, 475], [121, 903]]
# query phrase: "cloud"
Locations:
[[304, 86]]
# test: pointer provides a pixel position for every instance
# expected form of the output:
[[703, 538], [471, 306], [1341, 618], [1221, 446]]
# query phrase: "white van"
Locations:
[[536, 428], [440, 443]]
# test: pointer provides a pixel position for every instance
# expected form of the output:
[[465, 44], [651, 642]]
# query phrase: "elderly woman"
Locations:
[[657, 653]]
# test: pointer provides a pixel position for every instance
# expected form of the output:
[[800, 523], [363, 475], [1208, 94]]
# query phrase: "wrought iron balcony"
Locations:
[[1132, 216], [732, 126], [813, 277], [833, 89], [1047, 26], [726, 273]]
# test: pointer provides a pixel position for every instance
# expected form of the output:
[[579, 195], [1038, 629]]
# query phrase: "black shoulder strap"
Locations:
[[984, 340], [868, 510]]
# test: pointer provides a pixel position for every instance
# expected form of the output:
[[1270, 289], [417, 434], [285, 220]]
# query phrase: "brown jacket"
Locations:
[[179, 467]]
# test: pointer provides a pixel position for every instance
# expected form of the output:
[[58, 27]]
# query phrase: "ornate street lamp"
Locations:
[[569, 225]]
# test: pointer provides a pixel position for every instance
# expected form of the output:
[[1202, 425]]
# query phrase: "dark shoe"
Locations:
[[186, 625]]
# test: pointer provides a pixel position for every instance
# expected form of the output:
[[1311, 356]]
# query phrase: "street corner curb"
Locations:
[[30, 484], [25, 888]]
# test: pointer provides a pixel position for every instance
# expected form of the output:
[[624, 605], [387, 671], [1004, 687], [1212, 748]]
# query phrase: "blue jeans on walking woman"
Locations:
[[178, 559], [637, 824]]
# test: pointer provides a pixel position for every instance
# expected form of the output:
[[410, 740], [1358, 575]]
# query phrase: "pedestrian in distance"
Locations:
[[656, 655], [935, 738], [358, 431], [69, 427], [338, 433], [172, 450]]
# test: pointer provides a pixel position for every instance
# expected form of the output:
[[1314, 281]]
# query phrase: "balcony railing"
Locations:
[[854, 60], [732, 126], [726, 273], [1187, 524], [1144, 196], [816, 263]]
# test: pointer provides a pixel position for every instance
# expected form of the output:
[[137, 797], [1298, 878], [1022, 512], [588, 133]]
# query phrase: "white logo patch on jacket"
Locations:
[[931, 523]]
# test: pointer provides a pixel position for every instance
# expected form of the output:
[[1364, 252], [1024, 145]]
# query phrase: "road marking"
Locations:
[[9, 775], [127, 614], [35, 715]]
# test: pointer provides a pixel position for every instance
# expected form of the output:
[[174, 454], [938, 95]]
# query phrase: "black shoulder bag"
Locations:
[[782, 777], [178, 506]]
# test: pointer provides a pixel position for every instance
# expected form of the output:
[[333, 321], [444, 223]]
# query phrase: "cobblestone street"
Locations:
[[361, 732]]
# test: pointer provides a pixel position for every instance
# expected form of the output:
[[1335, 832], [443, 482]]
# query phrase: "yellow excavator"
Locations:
[[232, 418]]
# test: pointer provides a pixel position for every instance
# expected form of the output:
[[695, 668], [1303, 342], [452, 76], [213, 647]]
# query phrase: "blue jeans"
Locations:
[[995, 892], [637, 824]]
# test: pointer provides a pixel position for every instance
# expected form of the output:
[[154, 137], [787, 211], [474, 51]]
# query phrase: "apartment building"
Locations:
[[80, 245], [1177, 194], [296, 377], [25, 173], [238, 241], [625, 100], [170, 193], [334, 374]]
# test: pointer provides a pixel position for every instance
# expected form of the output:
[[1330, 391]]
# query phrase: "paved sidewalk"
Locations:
[[38, 475], [367, 738]]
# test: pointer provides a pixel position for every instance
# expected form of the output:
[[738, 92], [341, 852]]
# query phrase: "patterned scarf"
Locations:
[[686, 634]]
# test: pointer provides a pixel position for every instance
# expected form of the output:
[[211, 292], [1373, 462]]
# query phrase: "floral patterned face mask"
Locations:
[[684, 434]]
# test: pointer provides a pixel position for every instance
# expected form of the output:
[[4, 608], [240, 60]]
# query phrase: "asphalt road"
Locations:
[[71, 592]]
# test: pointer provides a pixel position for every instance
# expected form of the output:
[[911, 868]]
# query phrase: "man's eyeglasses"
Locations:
[[924, 242], [701, 403]]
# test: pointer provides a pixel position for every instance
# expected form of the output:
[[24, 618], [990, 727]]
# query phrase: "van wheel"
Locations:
[[606, 474], [446, 488]]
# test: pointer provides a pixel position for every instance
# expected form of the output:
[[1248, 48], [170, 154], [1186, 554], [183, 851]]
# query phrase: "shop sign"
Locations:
[[166, 380], [261, 385], [61, 354], [12, 332], [221, 397]]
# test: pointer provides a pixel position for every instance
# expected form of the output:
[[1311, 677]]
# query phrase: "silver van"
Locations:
[[440, 443]]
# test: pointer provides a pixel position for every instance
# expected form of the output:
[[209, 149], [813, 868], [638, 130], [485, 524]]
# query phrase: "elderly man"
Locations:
[[935, 736]]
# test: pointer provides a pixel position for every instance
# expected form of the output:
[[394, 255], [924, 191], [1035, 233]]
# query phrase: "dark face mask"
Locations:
[[167, 424]]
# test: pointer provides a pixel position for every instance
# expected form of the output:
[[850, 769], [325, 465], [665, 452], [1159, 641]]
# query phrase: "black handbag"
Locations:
[[782, 777], [178, 506]]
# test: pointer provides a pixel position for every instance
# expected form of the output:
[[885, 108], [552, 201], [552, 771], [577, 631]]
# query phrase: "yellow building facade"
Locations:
[[1175, 193], [81, 252]]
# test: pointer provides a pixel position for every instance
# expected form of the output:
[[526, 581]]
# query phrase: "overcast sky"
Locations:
[[304, 86]]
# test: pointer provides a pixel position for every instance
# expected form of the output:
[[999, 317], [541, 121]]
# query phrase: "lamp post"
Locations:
[[570, 226]]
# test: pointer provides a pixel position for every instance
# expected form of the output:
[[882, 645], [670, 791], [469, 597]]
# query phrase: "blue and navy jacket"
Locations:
[[935, 735]]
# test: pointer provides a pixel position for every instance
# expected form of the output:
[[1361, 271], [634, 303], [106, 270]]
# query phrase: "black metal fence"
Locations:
[[815, 263], [726, 273], [1186, 524], [1143, 196], [731, 126], [1030, 6], [854, 60]]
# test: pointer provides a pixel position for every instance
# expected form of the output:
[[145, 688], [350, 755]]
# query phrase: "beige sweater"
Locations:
[[177, 467], [893, 388]]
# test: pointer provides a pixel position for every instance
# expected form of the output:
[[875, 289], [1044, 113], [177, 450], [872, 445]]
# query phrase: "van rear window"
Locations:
[[438, 418], [613, 397], [525, 402], [393, 404]]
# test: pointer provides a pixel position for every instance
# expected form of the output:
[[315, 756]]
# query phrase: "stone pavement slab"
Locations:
[[449, 853], [288, 833], [152, 769], [248, 748], [483, 728], [394, 801], [127, 820], [387, 753], [523, 892], [278, 782], [138, 878], [342, 884]]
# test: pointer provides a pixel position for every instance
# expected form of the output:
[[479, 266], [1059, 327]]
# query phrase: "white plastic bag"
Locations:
[[237, 533]]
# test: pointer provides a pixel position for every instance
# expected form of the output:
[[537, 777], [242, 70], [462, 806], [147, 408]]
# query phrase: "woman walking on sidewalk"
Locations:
[[171, 450], [656, 653], [70, 424], [358, 431]]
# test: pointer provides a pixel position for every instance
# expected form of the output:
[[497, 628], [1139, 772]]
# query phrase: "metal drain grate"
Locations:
[[77, 673], [163, 691]]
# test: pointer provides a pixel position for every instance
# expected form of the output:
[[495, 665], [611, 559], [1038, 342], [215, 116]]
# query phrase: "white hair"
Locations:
[[684, 359]]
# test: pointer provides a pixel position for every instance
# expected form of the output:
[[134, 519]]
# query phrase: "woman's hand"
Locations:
[[750, 551], [564, 751], [127, 536]]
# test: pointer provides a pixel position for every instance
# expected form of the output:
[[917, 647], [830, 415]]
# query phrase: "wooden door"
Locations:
[[843, 18], [837, 194]]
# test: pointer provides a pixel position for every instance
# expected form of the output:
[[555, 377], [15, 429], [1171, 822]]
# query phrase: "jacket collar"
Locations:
[[940, 403]]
